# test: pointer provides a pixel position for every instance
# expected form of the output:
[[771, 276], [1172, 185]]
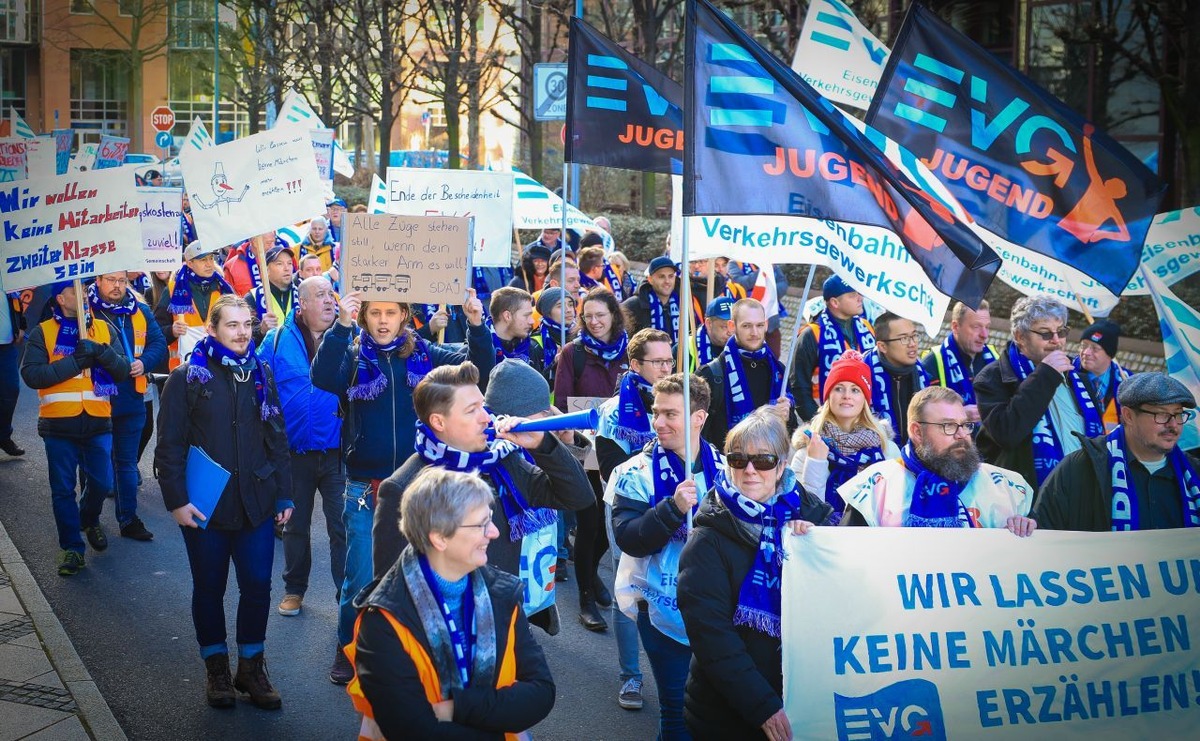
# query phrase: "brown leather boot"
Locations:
[[253, 680], [219, 687]]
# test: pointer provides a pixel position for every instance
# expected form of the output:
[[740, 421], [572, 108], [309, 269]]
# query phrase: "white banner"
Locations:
[[838, 56], [323, 151], [1172, 249], [70, 226], [899, 633], [41, 157], [488, 196], [162, 211], [536, 207], [252, 185]]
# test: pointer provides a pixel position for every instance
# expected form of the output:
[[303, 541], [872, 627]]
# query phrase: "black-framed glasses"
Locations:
[[482, 525], [1162, 418], [760, 461], [907, 339], [950, 429], [658, 363], [1049, 334]]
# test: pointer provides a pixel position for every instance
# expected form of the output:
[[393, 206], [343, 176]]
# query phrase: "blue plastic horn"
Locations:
[[586, 419]]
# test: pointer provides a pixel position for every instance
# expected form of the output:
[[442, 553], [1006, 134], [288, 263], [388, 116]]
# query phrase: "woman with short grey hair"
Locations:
[[729, 585], [442, 623]]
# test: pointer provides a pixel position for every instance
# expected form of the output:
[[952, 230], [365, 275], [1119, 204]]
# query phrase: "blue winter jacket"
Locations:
[[311, 415]]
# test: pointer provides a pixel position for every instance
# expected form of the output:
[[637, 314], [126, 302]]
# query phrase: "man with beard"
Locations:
[[512, 327], [939, 479]]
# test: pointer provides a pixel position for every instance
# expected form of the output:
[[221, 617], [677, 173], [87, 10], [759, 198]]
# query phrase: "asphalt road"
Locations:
[[128, 614]]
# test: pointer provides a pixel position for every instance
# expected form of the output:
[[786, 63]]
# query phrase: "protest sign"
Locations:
[[162, 211], [111, 152], [418, 259], [582, 404], [63, 139], [1061, 635], [40, 157], [84, 159], [488, 196], [252, 185], [322, 140], [69, 226], [13, 159]]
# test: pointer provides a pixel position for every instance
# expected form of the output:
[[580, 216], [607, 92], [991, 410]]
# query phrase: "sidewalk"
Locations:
[[46, 693]]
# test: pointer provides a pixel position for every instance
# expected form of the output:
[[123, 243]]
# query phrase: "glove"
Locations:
[[106, 356], [85, 353]]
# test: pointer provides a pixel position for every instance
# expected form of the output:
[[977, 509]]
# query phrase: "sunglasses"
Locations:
[[761, 462]]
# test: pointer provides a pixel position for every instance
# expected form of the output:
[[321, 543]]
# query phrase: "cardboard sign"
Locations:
[[112, 152], [418, 259], [488, 196], [13, 159], [162, 212], [580, 404], [252, 185], [63, 138], [41, 158], [69, 226]]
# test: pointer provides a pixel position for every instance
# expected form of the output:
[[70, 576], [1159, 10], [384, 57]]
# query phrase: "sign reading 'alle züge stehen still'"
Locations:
[[416, 259]]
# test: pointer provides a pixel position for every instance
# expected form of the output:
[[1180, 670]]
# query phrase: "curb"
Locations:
[[93, 710]]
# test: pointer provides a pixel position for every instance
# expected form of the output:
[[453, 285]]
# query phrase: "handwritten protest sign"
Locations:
[[62, 150], [84, 159], [488, 196], [322, 140], [418, 259], [13, 159], [40, 157], [1061, 635], [162, 210], [111, 152], [252, 185], [69, 226], [582, 404]]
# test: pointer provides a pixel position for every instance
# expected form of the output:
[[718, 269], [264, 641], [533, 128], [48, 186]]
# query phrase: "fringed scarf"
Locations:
[[658, 318], [103, 383], [935, 501], [668, 471], [369, 380], [181, 297], [760, 597], [1115, 375], [849, 453], [209, 349], [957, 377], [738, 401], [127, 307], [1047, 447], [478, 640], [881, 398], [831, 343], [633, 419], [522, 518], [609, 352], [1125, 511]]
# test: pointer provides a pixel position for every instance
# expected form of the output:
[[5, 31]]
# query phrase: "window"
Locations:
[[99, 90], [82, 7], [191, 24], [12, 79], [14, 21]]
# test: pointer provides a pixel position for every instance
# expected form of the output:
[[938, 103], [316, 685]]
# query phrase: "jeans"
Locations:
[[126, 434], [64, 457], [356, 519], [319, 470], [623, 626], [669, 660], [252, 550], [10, 386]]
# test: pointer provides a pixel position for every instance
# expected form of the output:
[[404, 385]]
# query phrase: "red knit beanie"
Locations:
[[849, 367]]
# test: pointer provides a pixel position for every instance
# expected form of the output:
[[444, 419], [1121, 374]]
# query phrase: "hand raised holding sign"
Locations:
[[348, 309], [473, 309]]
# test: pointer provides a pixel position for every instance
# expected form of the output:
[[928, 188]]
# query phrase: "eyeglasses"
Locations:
[[1163, 418], [1049, 334], [908, 339], [483, 525], [589, 318], [114, 281], [664, 363], [761, 461], [950, 429]]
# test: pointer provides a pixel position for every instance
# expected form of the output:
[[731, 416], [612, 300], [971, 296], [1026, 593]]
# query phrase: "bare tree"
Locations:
[[320, 52], [253, 55]]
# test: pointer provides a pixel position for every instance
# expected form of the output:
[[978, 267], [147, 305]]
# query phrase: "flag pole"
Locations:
[[1079, 300], [685, 317], [562, 239], [791, 353], [80, 308]]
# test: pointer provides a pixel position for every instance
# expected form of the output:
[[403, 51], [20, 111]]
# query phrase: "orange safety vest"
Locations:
[[191, 319], [139, 346], [369, 730], [73, 396]]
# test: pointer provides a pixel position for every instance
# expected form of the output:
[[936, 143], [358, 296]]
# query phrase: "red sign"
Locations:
[[162, 118]]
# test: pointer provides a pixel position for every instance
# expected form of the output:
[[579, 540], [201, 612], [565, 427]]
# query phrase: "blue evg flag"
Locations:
[[621, 112], [760, 140], [1027, 167]]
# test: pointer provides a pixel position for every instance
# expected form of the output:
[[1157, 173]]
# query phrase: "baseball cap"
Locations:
[[660, 262], [197, 249], [720, 307]]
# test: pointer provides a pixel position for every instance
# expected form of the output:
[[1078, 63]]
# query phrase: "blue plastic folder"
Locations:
[[206, 480]]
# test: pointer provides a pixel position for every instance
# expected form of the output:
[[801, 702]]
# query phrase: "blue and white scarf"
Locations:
[[520, 350], [704, 348], [260, 300], [1115, 374], [935, 500], [668, 471], [209, 349], [881, 398], [369, 379], [957, 377], [659, 321], [181, 297], [1047, 447], [188, 227], [609, 352], [461, 632], [522, 519], [738, 400], [614, 282], [831, 343], [760, 596], [551, 332], [849, 453], [633, 419], [1125, 512], [103, 384], [127, 307]]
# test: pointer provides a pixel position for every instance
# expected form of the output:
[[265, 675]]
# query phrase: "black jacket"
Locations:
[[758, 381], [736, 678], [554, 480], [223, 419], [390, 681], [1077, 495], [1010, 409]]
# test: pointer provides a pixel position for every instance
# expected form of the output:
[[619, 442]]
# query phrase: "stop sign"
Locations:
[[162, 118]]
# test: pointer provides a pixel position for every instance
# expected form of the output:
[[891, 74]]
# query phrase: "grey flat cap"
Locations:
[[1153, 388]]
